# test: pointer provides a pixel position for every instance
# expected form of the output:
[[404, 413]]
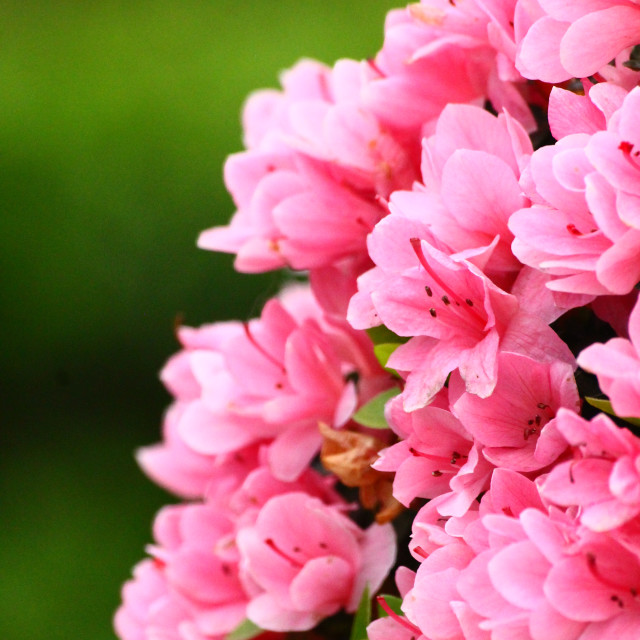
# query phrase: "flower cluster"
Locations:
[[466, 209]]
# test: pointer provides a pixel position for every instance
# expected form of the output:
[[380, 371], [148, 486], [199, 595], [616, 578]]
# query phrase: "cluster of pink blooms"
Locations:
[[418, 420]]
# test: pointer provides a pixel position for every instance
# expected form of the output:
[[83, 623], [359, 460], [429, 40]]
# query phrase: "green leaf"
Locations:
[[381, 334], [605, 405], [372, 414], [384, 350], [362, 618], [393, 602], [600, 403], [244, 631]]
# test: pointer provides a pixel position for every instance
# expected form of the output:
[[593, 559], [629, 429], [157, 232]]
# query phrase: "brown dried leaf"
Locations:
[[349, 455]]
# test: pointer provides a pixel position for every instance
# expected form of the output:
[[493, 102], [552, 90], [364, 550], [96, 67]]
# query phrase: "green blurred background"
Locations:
[[115, 118]]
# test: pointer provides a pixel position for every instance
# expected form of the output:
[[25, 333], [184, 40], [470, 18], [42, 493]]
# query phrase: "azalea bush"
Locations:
[[440, 411]]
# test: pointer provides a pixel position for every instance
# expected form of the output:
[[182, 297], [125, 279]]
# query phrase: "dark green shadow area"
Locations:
[[115, 119]]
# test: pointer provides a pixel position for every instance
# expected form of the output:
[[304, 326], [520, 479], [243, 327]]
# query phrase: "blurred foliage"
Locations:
[[115, 119]]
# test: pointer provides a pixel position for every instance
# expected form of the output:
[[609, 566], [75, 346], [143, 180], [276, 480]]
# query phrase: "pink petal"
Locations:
[[618, 268], [607, 33], [539, 54], [577, 594], [377, 556], [291, 452], [546, 622], [518, 573], [266, 612], [629, 127], [322, 585], [570, 113], [481, 191], [210, 433]]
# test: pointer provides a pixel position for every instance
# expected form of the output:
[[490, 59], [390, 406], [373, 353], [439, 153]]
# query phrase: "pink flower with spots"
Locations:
[[308, 561], [457, 318], [516, 424], [435, 456], [409, 190]]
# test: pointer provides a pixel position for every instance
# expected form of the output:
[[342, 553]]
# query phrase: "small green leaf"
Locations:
[[362, 618], [394, 603], [381, 334], [605, 405], [372, 414], [384, 350], [244, 631], [600, 403]]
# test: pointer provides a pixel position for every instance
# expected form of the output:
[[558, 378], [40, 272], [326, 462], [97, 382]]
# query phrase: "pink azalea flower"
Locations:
[[147, 610], [516, 424], [604, 477], [532, 526], [617, 365], [523, 570], [571, 112], [615, 197], [269, 381], [437, 53], [194, 588], [260, 485], [470, 168], [189, 474], [150, 612], [308, 187], [572, 39], [582, 227], [435, 456], [457, 318], [309, 561], [193, 546]]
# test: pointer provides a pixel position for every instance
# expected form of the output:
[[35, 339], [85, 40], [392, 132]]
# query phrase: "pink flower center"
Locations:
[[535, 424], [289, 558], [446, 462], [447, 305]]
